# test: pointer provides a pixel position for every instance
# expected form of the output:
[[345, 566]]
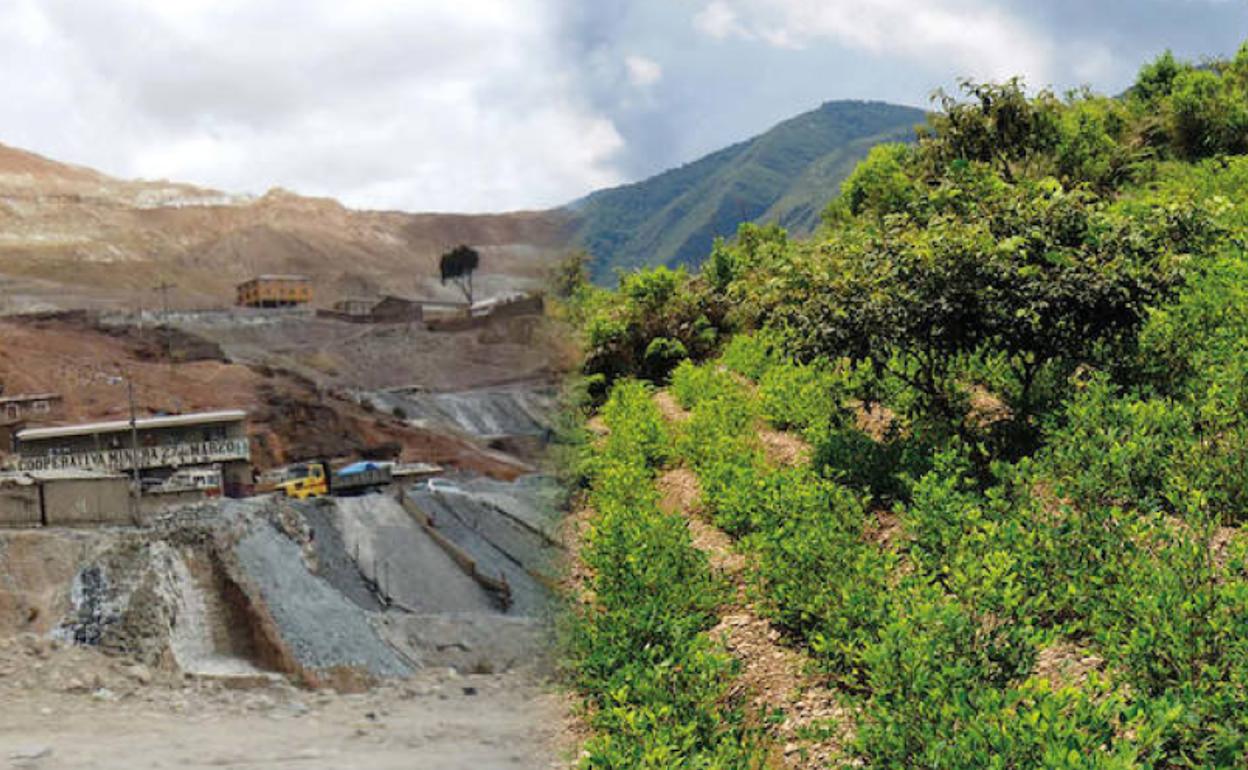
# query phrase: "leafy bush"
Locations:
[[693, 384], [751, 355], [804, 397], [822, 581], [657, 318]]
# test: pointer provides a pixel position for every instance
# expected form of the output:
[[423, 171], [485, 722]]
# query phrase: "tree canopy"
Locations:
[[458, 265]]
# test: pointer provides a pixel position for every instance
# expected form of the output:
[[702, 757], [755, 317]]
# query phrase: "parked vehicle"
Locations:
[[209, 481], [206, 480], [313, 479], [442, 487], [361, 477], [303, 481]]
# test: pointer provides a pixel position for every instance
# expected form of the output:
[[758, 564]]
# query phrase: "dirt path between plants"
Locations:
[[775, 676]]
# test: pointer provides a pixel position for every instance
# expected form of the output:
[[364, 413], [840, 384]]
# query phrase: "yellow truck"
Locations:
[[315, 479], [303, 481]]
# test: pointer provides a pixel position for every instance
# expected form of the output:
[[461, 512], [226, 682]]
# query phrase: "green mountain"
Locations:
[[785, 175]]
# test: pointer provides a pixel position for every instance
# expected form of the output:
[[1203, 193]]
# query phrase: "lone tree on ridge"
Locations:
[[458, 265]]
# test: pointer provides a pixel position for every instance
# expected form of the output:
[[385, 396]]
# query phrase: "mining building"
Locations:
[[271, 291], [159, 447]]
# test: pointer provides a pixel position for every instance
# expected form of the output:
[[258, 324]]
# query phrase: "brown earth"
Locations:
[[783, 448], [1067, 664], [670, 408], [774, 676], [70, 236]]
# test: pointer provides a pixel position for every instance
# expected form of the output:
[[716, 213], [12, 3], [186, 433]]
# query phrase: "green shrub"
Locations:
[[637, 428], [692, 384], [805, 398], [822, 582], [751, 355]]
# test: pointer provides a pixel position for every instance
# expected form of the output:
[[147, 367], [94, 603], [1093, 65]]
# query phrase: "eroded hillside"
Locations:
[[70, 236]]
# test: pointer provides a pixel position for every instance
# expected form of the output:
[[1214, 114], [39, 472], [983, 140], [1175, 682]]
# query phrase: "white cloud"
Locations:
[[717, 19], [410, 104], [984, 41], [643, 72]]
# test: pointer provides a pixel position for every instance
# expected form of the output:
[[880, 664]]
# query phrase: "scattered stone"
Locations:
[[31, 753], [140, 673], [470, 691]]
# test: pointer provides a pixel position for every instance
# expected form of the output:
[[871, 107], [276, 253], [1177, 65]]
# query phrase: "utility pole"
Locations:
[[136, 486], [163, 287]]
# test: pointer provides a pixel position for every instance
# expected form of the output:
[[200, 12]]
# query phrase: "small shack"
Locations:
[[387, 310], [354, 307], [29, 406]]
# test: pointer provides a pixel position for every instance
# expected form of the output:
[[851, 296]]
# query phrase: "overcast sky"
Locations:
[[485, 105]]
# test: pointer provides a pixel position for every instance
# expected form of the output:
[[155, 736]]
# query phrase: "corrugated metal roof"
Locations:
[[143, 423]]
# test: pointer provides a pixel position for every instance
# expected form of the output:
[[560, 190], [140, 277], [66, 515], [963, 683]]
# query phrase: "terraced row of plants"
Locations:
[[657, 687], [935, 636]]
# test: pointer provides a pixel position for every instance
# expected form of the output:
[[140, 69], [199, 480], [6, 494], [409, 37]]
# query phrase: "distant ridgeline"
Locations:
[[786, 175]]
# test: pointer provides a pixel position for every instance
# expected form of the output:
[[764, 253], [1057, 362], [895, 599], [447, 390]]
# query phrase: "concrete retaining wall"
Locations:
[[19, 505], [86, 502]]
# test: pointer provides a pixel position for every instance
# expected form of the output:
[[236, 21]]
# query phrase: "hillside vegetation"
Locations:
[[786, 175], [1016, 355]]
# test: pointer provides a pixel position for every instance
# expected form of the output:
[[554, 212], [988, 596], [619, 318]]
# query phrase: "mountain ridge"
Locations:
[[786, 174]]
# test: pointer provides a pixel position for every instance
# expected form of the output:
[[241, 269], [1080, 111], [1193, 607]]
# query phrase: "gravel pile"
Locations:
[[509, 411], [410, 566], [320, 626], [334, 561], [499, 544]]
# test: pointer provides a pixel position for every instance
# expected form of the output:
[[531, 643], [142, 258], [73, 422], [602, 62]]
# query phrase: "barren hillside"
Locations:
[[70, 236]]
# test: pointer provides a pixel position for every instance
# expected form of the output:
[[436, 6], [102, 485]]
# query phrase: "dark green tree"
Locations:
[[458, 266]]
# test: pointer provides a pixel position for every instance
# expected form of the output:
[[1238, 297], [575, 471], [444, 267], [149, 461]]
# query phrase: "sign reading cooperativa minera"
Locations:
[[170, 456]]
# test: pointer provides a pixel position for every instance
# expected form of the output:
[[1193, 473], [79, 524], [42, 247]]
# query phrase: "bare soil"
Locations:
[[783, 448], [75, 708], [671, 409], [1067, 664], [69, 231]]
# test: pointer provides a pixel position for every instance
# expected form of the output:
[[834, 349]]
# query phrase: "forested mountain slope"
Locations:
[[785, 175]]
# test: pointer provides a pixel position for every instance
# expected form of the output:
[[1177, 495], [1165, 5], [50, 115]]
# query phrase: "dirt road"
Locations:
[[502, 725], [437, 719]]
